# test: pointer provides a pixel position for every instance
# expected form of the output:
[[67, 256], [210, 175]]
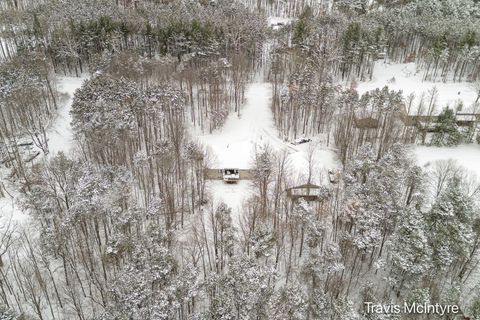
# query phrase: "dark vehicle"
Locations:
[[301, 140]]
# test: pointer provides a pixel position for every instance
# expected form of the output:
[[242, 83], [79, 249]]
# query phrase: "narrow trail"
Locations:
[[234, 144]]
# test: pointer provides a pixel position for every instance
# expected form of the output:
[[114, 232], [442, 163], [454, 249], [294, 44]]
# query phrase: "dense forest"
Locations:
[[123, 224]]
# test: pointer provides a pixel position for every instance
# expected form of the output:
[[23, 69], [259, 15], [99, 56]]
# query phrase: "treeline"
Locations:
[[127, 228], [293, 8], [71, 33], [345, 43], [212, 86], [442, 38], [308, 101], [212, 45], [104, 254]]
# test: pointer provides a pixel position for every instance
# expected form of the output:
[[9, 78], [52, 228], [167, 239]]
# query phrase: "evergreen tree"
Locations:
[[411, 251], [446, 130], [450, 222]]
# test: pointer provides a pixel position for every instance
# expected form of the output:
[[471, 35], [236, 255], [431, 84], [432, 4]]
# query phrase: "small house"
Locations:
[[308, 192], [231, 175], [366, 123]]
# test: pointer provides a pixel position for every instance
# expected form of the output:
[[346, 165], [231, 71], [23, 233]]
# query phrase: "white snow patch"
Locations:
[[406, 77], [60, 135], [322, 159], [468, 156], [233, 195], [278, 22], [9, 209], [234, 144]]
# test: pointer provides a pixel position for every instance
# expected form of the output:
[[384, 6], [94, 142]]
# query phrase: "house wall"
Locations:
[[217, 174]]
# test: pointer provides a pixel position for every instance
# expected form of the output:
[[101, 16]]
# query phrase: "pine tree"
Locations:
[[446, 130], [410, 252], [450, 222]]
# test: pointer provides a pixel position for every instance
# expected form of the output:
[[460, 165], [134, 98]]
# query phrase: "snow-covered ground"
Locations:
[[60, 138], [468, 156], [278, 22], [406, 77], [233, 195], [9, 208], [322, 159], [234, 145], [60, 135]]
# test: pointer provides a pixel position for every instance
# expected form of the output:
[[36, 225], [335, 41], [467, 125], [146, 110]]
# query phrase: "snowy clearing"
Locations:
[[467, 156], [233, 195], [406, 77], [323, 159], [234, 145], [60, 138], [60, 135], [277, 23], [9, 209]]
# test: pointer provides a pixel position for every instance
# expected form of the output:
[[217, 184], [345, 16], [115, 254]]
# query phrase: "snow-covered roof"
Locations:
[[305, 186], [465, 117]]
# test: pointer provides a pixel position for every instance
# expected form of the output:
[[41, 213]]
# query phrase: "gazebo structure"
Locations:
[[307, 191]]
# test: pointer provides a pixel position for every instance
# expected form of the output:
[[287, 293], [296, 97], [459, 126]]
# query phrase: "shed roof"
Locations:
[[465, 117], [305, 186]]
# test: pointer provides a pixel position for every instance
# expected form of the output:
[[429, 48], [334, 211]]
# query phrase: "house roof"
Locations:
[[305, 186], [465, 117]]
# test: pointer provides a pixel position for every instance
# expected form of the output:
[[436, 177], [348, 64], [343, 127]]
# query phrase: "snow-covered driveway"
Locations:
[[234, 144]]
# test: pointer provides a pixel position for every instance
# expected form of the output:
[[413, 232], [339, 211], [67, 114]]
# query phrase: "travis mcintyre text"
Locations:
[[412, 308]]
